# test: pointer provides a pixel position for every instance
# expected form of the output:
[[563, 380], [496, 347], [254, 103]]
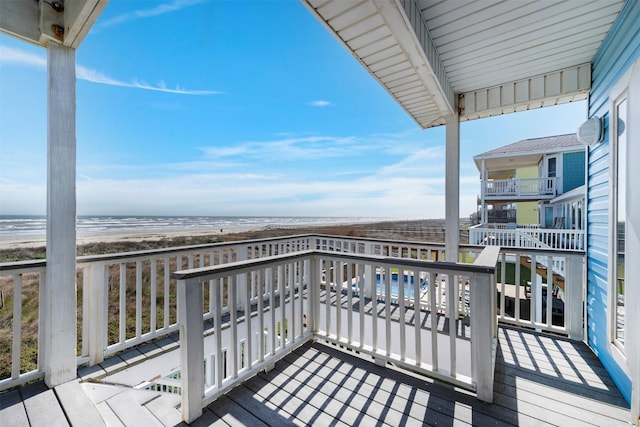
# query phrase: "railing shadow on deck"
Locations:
[[556, 363]]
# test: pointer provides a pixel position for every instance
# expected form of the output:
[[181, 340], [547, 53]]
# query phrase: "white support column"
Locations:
[[452, 189], [483, 190], [59, 295], [574, 290], [192, 348]]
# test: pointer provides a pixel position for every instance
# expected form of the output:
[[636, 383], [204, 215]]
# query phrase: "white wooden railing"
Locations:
[[20, 282], [128, 299], [545, 290], [520, 187], [313, 293], [527, 237]]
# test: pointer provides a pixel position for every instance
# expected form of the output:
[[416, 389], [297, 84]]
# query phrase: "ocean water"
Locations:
[[12, 226]]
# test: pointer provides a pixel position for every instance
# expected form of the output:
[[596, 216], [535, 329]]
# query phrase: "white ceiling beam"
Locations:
[[79, 17], [569, 84], [433, 75], [20, 19]]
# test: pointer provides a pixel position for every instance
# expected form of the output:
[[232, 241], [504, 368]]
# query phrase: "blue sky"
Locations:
[[191, 107]]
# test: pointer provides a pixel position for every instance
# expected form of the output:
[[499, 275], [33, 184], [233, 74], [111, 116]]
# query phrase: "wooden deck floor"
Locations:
[[540, 380]]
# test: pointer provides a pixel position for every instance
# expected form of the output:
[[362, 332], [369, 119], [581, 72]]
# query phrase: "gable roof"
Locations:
[[527, 151]]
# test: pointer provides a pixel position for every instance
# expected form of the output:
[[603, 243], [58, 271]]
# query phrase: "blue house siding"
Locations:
[[619, 50], [572, 170]]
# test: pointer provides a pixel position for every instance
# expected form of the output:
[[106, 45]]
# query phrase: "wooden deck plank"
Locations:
[[563, 404], [550, 380], [393, 390], [208, 419], [291, 404], [254, 404], [12, 410], [575, 359], [110, 417], [233, 414], [164, 409], [78, 407], [43, 409], [540, 379], [129, 411]]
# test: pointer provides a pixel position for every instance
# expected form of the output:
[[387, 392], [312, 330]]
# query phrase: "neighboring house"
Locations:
[[533, 185]]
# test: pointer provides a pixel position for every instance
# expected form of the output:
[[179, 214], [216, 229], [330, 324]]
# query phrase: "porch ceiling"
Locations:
[[42, 21], [490, 57]]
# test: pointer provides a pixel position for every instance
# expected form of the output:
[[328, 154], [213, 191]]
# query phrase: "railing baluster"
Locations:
[[17, 326], [327, 295], [123, 302], [387, 309], [350, 303], [272, 311], [281, 291], [138, 299], [232, 291], [452, 311], [86, 293], [361, 301], [293, 270], [517, 284], [260, 311], [166, 291], [154, 291], [339, 280], [417, 309], [403, 343], [217, 327], [434, 321], [247, 320], [503, 279], [373, 285]]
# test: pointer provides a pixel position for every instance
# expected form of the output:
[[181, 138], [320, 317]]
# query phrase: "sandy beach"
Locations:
[[21, 248], [82, 239]]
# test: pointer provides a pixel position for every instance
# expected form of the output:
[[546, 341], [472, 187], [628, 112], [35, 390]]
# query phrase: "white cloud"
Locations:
[[320, 103], [293, 148], [20, 57], [159, 9], [95, 76]]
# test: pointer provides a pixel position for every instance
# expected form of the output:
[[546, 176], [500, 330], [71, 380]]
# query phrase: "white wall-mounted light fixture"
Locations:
[[590, 132]]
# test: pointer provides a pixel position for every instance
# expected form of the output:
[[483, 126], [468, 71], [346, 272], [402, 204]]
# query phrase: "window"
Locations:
[[620, 212], [552, 167]]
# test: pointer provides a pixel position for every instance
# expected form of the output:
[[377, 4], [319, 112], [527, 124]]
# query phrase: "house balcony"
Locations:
[[527, 236], [520, 189], [315, 329]]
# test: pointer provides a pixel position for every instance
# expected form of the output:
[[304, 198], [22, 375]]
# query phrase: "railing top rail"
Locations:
[[176, 249], [441, 266], [20, 265], [130, 256]]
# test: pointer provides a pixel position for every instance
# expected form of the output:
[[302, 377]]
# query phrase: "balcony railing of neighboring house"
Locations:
[[526, 187], [526, 236], [128, 299], [502, 216]]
